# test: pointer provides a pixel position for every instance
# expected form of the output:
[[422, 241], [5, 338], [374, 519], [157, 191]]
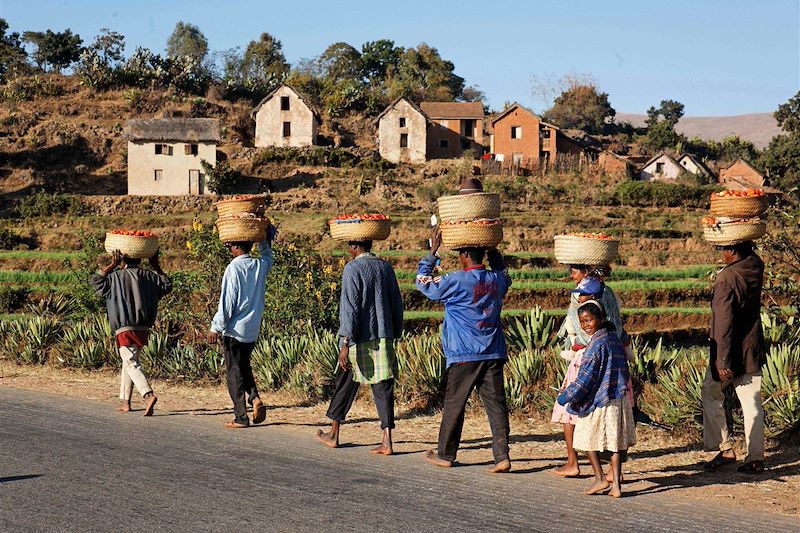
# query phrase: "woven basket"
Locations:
[[242, 229], [363, 230], [133, 246], [572, 250], [730, 233], [739, 206], [471, 235], [234, 206], [469, 206]]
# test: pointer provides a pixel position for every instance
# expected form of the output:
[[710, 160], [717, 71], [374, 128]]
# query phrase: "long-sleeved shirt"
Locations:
[[370, 306], [737, 340], [603, 375], [473, 299], [241, 301], [132, 296]]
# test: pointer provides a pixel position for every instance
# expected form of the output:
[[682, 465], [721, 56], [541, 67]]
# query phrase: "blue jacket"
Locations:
[[473, 299], [602, 377], [241, 302]]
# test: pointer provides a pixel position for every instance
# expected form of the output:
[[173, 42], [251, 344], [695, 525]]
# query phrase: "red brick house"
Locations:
[[457, 127], [741, 175]]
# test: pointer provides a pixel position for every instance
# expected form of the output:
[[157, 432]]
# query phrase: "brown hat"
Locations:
[[470, 186]]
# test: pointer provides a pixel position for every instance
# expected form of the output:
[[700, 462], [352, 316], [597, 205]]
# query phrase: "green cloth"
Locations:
[[373, 361]]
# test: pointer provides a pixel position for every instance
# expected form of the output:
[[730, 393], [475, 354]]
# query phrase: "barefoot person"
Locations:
[[474, 345], [598, 397], [370, 319], [132, 294], [737, 355], [238, 321]]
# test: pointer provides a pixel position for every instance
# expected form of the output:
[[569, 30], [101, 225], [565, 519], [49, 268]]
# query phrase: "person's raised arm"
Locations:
[[265, 246], [497, 264], [99, 280], [164, 283]]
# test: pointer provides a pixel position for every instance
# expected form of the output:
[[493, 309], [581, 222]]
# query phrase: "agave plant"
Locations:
[[780, 384], [153, 356], [678, 392], [422, 365], [531, 331]]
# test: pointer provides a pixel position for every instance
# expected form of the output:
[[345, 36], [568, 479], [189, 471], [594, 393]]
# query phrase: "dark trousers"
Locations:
[[345, 393], [487, 377], [240, 375]]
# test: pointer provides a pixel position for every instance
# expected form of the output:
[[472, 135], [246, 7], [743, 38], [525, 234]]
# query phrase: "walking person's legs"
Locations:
[[748, 389], [132, 368], [461, 378], [343, 395], [715, 425], [125, 388], [493, 395], [599, 484], [249, 382], [233, 353], [383, 394]]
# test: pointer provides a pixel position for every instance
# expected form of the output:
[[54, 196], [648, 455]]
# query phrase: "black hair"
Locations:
[[477, 255], [596, 310], [366, 245], [743, 249], [132, 261], [597, 271], [244, 245]]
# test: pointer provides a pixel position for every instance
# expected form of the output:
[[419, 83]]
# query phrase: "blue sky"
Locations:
[[718, 57]]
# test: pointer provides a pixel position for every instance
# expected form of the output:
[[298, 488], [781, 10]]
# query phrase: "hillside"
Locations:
[[758, 128]]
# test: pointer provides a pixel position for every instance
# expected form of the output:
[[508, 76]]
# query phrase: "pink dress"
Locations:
[[560, 414]]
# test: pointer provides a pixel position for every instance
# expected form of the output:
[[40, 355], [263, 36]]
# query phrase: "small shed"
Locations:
[[614, 164], [741, 172], [164, 155], [692, 164], [403, 132], [285, 118], [660, 167], [456, 127]]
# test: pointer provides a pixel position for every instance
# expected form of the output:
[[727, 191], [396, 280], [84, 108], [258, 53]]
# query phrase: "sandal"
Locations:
[[718, 461], [753, 467]]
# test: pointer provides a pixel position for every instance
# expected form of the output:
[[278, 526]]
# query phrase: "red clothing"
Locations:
[[133, 338]]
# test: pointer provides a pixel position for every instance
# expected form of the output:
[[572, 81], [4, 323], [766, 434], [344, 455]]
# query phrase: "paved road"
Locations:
[[73, 465]]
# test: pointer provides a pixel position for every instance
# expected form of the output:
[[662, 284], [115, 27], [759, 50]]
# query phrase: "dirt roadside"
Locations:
[[659, 463]]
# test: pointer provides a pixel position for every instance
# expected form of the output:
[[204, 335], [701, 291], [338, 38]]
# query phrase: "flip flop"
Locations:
[[259, 411], [718, 461], [753, 467]]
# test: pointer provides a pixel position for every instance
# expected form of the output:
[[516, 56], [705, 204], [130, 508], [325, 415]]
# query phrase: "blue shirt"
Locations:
[[473, 299], [241, 302], [602, 377]]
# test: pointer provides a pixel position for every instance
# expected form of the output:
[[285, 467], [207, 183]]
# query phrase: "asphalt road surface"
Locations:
[[75, 465]]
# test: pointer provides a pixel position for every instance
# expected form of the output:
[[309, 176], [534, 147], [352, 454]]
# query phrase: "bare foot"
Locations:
[[567, 470], [501, 468], [433, 458], [151, 403], [328, 439], [383, 449], [233, 424], [599, 485], [124, 407], [615, 492], [610, 477], [259, 411]]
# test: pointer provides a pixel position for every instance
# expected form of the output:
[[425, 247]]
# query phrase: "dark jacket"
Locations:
[[737, 341], [132, 296]]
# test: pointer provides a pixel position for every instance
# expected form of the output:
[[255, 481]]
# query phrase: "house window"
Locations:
[[469, 128], [163, 149], [287, 129], [659, 168], [158, 175], [284, 103], [545, 133], [402, 122], [444, 143], [516, 158], [516, 132], [190, 149], [404, 140]]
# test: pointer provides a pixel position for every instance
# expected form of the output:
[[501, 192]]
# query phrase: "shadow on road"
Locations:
[[18, 478]]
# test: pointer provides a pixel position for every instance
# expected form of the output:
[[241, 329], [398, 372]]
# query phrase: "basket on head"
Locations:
[[471, 235], [575, 250], [360, 230], [731, 233], [238, 228], [133, 246], [469, 206], [738, 206], [242, 204]]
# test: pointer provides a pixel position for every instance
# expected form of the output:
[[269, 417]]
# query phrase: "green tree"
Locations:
[[782, 157], [473, 93], [262, 66], [422, 74], [581, 107], [378, 57], [58, 50], [109, 46], [11, 52], [788, 115], [187, 40], [662, 135], [670, 110], [340, 62]]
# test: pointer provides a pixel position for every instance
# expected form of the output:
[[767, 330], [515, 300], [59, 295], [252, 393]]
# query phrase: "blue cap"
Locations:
[[588, 285]]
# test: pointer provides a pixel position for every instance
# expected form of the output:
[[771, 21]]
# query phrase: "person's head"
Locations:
[[736, 252], [471, 256], [239, 248], [356, 248], [470, 186], [578, 272], [591, 316], [130, 262]]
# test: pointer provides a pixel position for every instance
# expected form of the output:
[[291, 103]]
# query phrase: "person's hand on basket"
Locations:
[[271, 231], [116, 260], [436, 239]]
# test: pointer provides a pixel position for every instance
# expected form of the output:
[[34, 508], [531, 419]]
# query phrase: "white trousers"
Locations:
[[131, 373], [715, 425]]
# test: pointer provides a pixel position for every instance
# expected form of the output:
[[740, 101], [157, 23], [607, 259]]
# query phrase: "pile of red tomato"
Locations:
[[133, 233], [478, 222], [365, 216], [600, 235], [741, 194]]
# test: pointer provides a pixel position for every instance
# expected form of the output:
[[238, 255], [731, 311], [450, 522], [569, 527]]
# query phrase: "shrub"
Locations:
[[222, 178], [12, 298], [44, 204], [9, 239], [308, 156], [661, 194]]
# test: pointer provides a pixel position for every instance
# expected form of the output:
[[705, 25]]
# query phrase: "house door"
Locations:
[[196, 185]]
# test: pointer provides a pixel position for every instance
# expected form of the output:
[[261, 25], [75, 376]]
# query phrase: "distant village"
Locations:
[[164, 154]]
